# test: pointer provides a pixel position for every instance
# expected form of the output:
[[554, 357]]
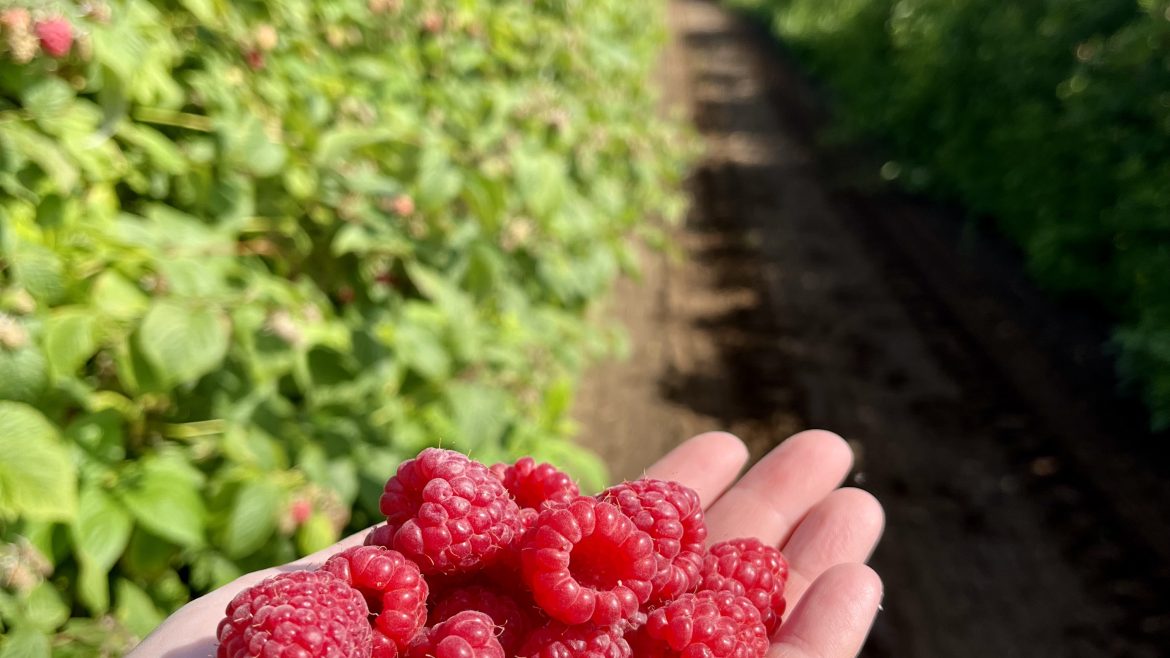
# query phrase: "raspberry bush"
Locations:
[[253, 255], [1050, 116]]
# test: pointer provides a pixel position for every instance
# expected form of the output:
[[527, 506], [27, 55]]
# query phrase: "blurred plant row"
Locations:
[[253, 254], [1053, 116]]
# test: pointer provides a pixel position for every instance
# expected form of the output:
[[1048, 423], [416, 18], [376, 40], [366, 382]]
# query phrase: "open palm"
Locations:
[[790, 499]]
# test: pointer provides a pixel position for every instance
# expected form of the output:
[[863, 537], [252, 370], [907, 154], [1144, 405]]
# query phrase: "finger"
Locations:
[[833, 618], [844, 527], [707, 463], [777, 492]]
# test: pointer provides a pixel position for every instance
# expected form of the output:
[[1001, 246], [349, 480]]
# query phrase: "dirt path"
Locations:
[[1014, 529]]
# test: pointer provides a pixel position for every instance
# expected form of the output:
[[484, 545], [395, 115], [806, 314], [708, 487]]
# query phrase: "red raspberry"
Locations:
[[56, 36], [586, 562], [673, 516], [507, 613], [557, 640], [300, 613], [392, 586], [447, 513], [748, 567], [704, 624], [469, 634], [534, 484]]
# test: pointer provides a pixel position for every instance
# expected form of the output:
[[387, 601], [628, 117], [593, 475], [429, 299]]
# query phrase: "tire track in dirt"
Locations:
[[793, 306]]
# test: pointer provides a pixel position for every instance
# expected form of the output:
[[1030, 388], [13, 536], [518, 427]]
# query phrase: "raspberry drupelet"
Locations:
[[447, 513], [585, 561], [514, 618], [707, 624], [673, 517], [557, 640], [469, 634], [300, 613], [393, 588], [749, 568], [533, 484]]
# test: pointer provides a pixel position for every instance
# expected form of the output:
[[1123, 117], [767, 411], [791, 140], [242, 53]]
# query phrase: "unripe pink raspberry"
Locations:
[[15, 19], [56, 36], [403, 205]]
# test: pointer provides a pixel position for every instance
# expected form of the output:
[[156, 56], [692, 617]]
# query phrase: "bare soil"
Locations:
[[1026, 504]]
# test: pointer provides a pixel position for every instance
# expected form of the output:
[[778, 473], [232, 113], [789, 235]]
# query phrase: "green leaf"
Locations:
[[165, 499], [253, 518], [93, 587], [70, 340], [37, 476], [480, 414], [46, 153], [183, 343], [102, 528], [204, 10], [135, 609], [422, 351], [336, 145], [117, 297], [100, 433], [40, 272], [438, 180], [541, 180], [44, 609], [25, 642], [211, 570], [25, 374], [316, 533], [46, 99], [580, 463], [148, 557], [161, 151]]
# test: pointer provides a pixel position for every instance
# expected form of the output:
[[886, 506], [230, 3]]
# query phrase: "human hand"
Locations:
[[789, 499]]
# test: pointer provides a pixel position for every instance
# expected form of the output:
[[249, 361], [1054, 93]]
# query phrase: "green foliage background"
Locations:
[[253, 254], [1053, 116]]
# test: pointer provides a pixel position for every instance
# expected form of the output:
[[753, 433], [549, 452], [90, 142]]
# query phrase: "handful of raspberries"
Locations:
[[511, 561]]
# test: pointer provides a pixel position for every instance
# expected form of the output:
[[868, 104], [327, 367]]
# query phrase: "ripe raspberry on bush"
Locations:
[[673, 517], [533, 484], [514, 618], [585, 561], [393, 588], [469, 634], [704, 624], [301, 613], [747, 567], [447, 513], [56, 36]]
